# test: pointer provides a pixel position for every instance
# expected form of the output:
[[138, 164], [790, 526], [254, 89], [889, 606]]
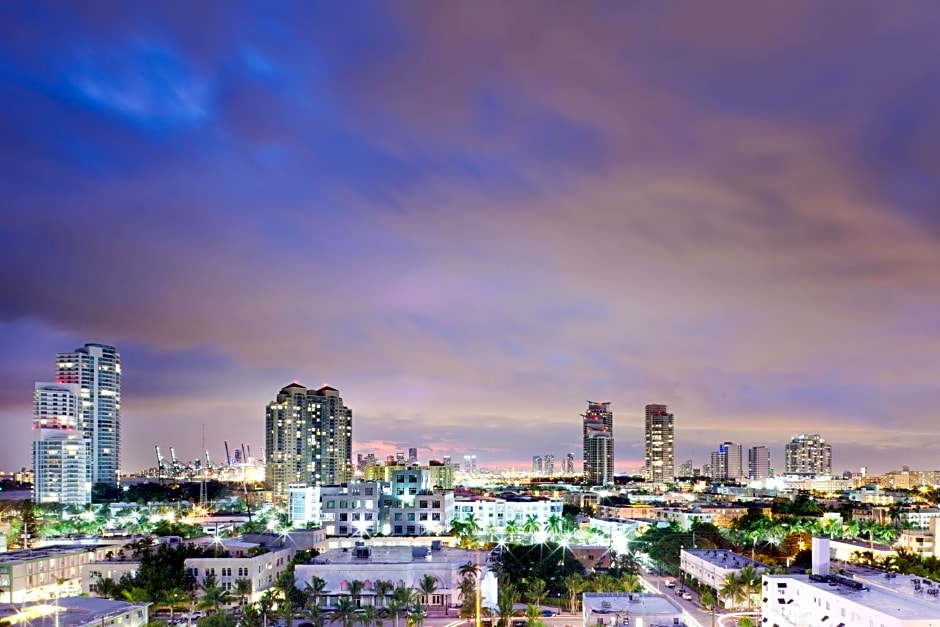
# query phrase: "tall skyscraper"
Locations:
[[808, 455], [412, 456], [727, 462], [569, 464], [61, 452], [598, 432], [308, 439], [549, 464], [758, 462], [660, 444], [536, 464], [96, 369]]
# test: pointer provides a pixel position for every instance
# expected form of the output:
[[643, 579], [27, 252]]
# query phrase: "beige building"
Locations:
[[711, 567], [47, 572]]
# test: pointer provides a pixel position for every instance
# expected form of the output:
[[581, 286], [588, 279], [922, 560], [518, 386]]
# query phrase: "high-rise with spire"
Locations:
[[96, 369], [660, 444], [598, 432], [308, 438]]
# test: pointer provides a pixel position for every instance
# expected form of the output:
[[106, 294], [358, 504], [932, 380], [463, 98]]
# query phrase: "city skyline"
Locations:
[[472, 220]]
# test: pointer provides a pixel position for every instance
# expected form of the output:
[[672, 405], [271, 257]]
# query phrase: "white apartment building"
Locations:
[[61, 452], [711, 567], [685, 518], [402, 565], [353, 509], [833, 601], [303, 504], [96, 368], [493, 514], [921, 518]]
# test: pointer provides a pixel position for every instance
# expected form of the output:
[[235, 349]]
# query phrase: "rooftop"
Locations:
[[898, 597], [723, 558], [55, 550], [629, 603], [72, 611], [399, 555]]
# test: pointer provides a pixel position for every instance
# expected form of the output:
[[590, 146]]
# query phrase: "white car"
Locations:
[[687, 596], [670, 584]]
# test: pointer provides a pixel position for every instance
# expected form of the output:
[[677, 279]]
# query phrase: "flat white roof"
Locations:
[[894, 597], [635, 604]]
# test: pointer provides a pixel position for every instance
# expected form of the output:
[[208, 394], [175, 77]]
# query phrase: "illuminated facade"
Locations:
[[308, 438], [96, 369], [598, 431], [808, 455], [61, 452], [660, 444]]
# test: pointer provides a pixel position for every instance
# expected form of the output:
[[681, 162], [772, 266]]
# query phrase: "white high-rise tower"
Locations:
[[61, 472], [96, 369]]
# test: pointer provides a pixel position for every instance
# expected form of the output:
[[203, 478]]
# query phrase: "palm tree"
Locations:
[[553, 526], [416, 616], [536, 591], [707, 599], [470, 530], [427, 585], [314, 589], [175, 598], [574, 585], [469, 570], [345, 612], [506, 604], [242, 590], [367, 615], [732, 590], [355, 590], [106, 588], [630, 582], [135, 595], [751, 580], [531, 526], [314, 613], [214, 596], [533, 615], [266, 603], [512, 530], [383, 588]]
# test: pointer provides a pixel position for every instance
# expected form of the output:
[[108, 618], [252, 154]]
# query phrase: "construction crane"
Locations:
[[161, 463], [244, 454], [249, 454], [228, 458]]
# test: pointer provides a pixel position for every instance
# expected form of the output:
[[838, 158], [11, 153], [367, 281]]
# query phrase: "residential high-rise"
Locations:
[[660, 444], [758, 462], [598, 432], [412, 456], [308, 439], [569, 464], [96, 369], [536, 464], [808, 455], [470, 464], [727, 462], [549, 464], [61, 468], [686, 468]]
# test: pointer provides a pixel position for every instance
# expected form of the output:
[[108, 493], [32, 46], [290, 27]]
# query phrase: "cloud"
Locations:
[[472, 221]]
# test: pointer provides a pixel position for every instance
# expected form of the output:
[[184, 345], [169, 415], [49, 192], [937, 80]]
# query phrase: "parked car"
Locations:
[[679, 592], [670, 584], [548, 613], [687, 596]]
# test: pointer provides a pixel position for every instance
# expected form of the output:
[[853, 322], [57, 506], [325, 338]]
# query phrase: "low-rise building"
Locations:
[[711, 568], [76, 611], [401, 565], [615, 609], [494, 514], [685, 518], [259, 564], [43, 573]]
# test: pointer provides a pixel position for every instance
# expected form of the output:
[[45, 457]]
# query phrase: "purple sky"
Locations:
[[471, 217]]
